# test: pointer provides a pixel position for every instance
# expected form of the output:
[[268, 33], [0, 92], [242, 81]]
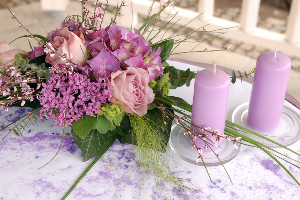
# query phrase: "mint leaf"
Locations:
[[83, 126], [94, 143]]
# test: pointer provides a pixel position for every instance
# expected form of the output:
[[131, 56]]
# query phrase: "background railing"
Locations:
[[245, 31]]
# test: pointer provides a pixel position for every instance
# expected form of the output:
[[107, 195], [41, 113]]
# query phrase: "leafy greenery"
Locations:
[[94, 143], [83, 126], [179, 77], [240, 75], [113, 113], [161, 86], [37, 36], [103, 125], [176, 101], [234, 130], [41, 70], [166, 47]]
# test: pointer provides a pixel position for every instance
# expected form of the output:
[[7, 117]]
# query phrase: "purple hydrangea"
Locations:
[[115, 48]]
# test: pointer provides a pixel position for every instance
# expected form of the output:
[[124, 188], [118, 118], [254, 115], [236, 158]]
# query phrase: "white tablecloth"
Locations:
[[116, 174]]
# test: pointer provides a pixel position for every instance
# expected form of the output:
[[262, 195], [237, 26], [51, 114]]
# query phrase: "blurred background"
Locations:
[[271, 19]]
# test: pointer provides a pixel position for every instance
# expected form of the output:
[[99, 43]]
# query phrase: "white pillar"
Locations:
[[54, 5], [293, 25], [207, 8], [130, 15], [249, 15]]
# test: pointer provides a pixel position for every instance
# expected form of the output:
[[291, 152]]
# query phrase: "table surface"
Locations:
[[116, 175]]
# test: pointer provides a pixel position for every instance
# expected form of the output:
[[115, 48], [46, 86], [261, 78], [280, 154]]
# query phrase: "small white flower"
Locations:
[[23, 102]]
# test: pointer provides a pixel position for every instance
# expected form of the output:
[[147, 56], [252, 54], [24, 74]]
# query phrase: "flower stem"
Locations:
[[88, 168]]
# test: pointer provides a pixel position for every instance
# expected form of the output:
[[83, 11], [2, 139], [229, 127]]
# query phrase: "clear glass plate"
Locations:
[[287, 133], [180, 145]]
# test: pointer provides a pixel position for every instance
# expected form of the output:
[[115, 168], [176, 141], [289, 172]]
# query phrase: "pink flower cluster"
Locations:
[[116, 48], [66, 98]]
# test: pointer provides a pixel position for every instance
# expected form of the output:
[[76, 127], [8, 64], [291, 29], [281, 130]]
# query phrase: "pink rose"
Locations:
[[69, 44], [131, 91], [8, 52]]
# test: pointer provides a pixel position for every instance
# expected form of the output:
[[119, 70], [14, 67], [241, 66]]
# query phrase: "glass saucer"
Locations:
[[180, 145], [287, 133]]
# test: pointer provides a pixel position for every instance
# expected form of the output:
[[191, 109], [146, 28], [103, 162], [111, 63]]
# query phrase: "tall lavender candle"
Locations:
[[268, 91], [210, 102]]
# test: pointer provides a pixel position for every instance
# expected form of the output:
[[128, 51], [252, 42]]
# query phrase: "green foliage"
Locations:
[[161, 86], [151, 143], [155, 116], [113, 113], [41, 70], [147, 22], [40, 60], [240, 75], [94, 143], [125, 133], [179, 77], [166, 47], [235, 130], [37, 36], [83, 126], [103, 125], [176, 101]]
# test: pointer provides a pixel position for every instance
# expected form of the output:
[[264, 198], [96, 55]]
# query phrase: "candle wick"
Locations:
[[215, 68], [275, 53]]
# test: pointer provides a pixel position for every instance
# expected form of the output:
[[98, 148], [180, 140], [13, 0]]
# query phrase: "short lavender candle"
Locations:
[[268, 91], [210, 102]]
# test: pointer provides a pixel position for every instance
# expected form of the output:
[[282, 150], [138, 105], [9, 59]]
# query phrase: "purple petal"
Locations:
[[136, 62], [104, 64], [122, 54], [154, 70]]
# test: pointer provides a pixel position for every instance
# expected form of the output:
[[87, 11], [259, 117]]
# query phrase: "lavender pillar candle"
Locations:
[[268, 91], [210, 102]]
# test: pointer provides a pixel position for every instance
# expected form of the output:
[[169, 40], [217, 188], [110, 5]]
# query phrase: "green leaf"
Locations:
[[103, 125], [94, 143], [39, 73], [3, 73], [18, 58], [39, 60], [16, 132], [185, 76], [188, 80], [233, 78], [165, 64], [166, 47], [23, 55], [83, 126], [125, 133], [246, 75], [188, 72], [178, 75], [240, 75], [38, 36], [156, 116], [176, 101]]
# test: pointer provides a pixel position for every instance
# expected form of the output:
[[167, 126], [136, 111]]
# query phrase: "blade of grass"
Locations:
[[259, 135], [279, 163], [88, 169]]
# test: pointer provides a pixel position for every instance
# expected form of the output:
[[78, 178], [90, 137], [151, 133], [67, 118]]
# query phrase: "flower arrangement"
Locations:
[[106, 83]]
